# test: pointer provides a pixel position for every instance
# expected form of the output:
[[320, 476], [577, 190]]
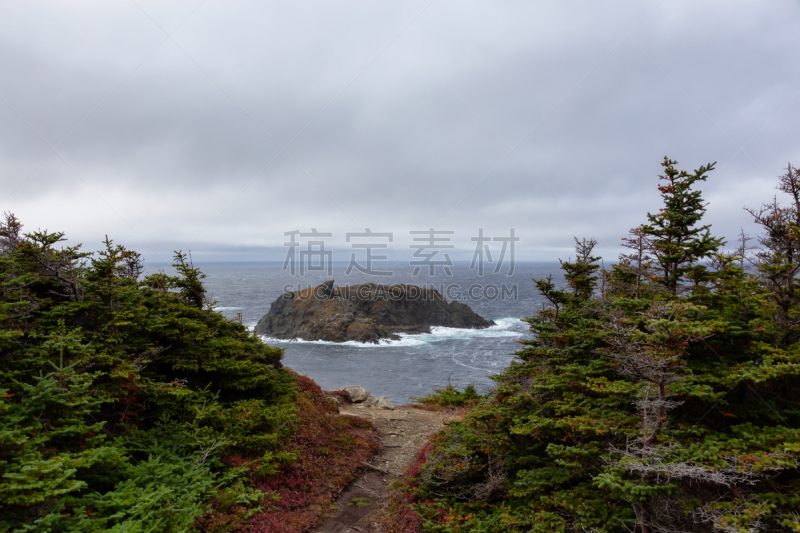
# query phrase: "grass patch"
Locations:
[[361, 503]]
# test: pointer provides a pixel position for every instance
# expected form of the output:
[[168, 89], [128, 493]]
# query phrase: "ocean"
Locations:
[[415, 364]]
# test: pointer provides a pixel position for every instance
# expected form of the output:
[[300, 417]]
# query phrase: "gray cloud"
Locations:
[[548, 117]]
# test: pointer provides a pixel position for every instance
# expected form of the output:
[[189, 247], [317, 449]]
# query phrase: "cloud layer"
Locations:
[[217, 126]]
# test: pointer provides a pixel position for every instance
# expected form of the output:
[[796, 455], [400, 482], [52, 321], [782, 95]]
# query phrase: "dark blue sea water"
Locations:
[[400, 369]]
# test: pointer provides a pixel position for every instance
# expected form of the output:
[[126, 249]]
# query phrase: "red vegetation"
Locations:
[[330, 451], [343, 394], [401, 517]]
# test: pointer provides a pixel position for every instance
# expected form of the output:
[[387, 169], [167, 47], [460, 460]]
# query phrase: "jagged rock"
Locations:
[[381, 402], [363, 313], [357, 394]]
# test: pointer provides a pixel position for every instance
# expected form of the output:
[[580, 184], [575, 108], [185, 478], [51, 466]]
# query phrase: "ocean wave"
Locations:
[[405, 340], [509, 322], [504, 327], [228, 308]]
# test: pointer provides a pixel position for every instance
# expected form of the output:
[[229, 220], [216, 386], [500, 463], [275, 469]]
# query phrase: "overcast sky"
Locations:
[[218, 125]]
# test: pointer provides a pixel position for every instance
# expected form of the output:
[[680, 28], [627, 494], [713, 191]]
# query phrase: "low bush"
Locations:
[[327, 453], [450, 396], [128, 404]]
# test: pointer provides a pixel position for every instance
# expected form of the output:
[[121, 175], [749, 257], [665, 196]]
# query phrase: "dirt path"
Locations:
[[403, 432]]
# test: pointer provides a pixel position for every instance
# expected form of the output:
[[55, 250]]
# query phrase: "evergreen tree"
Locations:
[[580, 276], [633, 274], [778, 262], [676, 240], [668, 402], [120, 393]]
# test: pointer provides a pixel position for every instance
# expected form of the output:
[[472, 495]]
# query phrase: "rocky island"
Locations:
[[363, 313]]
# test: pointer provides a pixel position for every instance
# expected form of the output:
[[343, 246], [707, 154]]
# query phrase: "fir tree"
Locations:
[[667, 403], [120, 392], [676, 240], [778, 262]]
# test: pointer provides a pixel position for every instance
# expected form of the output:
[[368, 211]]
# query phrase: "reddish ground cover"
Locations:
[[400, 517], [330, 451]]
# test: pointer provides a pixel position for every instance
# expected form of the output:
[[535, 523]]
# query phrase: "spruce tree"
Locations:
[[668, 403], [676, 240], [120, 393], [778, 262]]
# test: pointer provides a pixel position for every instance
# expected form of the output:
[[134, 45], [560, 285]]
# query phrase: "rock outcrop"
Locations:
[[354, 394], [379, 402], [363, 313]]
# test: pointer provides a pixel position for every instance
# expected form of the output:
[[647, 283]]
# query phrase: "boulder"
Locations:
[[381, 402], [357, 394], [363, 313]]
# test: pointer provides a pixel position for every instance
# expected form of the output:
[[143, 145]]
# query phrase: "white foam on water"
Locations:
[[229, 309], [509, 322], [354, 344], [502, 328]]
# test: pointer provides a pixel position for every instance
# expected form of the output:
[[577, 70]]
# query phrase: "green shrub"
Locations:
[[450, 396], [662, 394], [121, 395]]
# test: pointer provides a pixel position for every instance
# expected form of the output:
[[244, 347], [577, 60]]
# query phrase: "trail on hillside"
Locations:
[[402, 434]]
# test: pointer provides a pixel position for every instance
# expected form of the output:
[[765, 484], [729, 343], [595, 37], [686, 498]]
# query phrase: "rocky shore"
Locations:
[[363, 313]]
